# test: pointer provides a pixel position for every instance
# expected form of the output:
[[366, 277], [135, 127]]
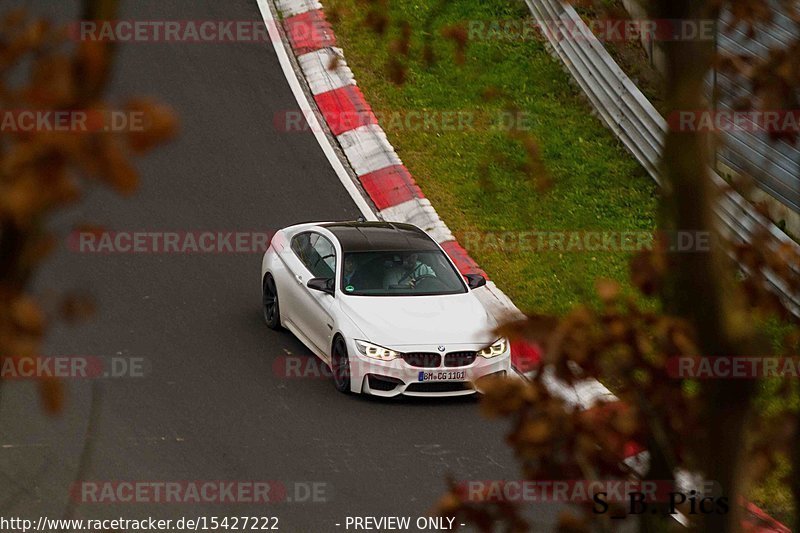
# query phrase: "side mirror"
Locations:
[[475, 280], [321, 284]]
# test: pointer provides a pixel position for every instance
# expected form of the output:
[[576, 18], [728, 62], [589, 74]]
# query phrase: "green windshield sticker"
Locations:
[[349, 288]]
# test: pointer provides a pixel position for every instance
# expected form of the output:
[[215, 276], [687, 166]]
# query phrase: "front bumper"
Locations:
[[396, 377]]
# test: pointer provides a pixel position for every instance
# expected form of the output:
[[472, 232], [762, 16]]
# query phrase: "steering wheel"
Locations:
[[427, 278]]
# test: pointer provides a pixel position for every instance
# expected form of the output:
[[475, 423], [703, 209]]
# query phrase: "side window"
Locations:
[[316, 253], [325, 264], [301, 246]]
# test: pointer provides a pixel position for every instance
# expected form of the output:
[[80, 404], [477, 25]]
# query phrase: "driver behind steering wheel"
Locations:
[[414, 269]]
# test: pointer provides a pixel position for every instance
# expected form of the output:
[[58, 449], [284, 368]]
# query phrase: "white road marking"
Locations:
[[305, 107]]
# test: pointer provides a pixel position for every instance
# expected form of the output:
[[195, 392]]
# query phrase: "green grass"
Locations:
[[475, 178]]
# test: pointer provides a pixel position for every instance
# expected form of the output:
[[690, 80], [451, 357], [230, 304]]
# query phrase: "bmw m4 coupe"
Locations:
[[383, 306]]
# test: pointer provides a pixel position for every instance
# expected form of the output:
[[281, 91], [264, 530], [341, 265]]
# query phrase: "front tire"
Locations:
[[340, 366], [269, 303]]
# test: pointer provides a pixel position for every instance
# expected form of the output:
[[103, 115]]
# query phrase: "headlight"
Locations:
[[375, 351], [498, 348]]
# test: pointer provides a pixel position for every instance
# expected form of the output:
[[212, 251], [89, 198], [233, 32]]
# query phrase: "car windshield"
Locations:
[[411, 273]]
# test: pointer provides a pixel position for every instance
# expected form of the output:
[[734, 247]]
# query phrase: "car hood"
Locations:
[[394, 321]]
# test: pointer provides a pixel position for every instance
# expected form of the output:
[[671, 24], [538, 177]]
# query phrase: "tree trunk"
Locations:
[[702, 288]]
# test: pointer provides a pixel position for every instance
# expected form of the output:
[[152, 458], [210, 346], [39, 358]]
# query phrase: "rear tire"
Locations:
[[340, 366], [269, 303]]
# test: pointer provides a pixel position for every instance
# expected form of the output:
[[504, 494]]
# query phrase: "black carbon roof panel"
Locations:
[[380, 236]]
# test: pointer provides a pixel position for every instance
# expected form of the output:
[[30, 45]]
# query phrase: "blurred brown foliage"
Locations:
[[699, 305], [43, 170]]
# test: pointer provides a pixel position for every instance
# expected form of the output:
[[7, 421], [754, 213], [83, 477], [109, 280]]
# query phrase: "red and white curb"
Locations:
[[391, 187], [380, 171]]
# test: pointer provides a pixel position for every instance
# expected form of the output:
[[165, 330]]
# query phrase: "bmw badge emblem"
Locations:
[[441, 348]]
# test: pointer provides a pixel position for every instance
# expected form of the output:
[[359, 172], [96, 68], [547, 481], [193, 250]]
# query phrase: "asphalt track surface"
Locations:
[[211, 406]]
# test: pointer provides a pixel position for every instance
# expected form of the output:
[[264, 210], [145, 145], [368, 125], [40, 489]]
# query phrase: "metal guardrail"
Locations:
[[640, 127], [778, 163]]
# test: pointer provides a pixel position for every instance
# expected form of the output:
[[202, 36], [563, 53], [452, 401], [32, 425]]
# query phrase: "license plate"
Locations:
[[442, 375]]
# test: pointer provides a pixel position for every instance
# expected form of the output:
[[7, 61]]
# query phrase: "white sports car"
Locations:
[[384, 306]]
